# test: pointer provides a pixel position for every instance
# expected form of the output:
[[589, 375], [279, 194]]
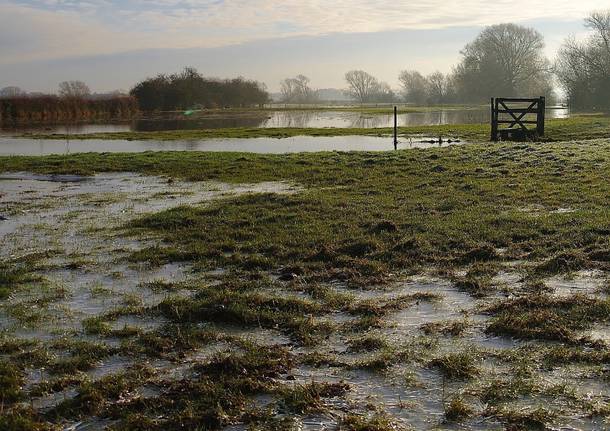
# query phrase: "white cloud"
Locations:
[[39, 29]]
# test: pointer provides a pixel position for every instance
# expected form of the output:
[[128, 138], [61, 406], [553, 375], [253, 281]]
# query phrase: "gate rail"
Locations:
[[517, 109]]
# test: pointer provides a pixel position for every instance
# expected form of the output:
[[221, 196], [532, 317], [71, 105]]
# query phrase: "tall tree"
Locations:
[[505, 59], [383, 93], [583, 68], [361, 85], [437, 88], [414, 86], [189, 89], [74, 90], [297, 90]]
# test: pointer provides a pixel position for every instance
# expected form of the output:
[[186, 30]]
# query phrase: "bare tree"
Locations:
[[74, 90], [583, 68], [383, 93], [599, 22], [414, 86], [297, 90], [362, 86], [437, 87]]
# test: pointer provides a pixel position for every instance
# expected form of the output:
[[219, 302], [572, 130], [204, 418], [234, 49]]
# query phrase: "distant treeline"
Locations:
[[50, 108], [190, 90]]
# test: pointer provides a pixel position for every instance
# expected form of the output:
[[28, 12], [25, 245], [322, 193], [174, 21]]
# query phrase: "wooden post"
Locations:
[[494, 121], [395, 128], [541, 117]]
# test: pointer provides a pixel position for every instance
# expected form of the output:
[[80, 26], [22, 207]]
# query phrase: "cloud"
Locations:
[[42, 29], [324, 59], [33, 34]]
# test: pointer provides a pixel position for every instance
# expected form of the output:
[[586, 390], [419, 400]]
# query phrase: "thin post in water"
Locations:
[[395, 128]]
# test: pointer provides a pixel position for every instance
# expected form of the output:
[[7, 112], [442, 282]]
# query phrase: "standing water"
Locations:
[[273, 119], [296, 144]]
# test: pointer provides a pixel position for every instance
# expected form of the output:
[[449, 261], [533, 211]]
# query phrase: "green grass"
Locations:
[[309, 398], [375, 422], [460, 365], [577, 127], [541, 316], [458, 409], [12, 275], [10, 383]]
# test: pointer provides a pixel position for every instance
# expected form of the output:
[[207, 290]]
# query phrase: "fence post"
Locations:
[[395, 128], [541, 116], [494, 122]]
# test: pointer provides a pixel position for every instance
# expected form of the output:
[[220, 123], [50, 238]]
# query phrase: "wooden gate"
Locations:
[[517, 114]]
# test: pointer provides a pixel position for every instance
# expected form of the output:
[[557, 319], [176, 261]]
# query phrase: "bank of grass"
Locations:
[[366, 215], [576, 127]]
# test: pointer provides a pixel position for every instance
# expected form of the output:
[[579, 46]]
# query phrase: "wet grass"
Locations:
[[460, 365], [309, 398], [10, 383], [545, 317], [323, 272], [14, 274], [458, 409], [375, 422]]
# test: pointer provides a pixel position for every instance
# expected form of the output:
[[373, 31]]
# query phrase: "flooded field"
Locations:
[[277, 119], [133, 304], [41, 147]]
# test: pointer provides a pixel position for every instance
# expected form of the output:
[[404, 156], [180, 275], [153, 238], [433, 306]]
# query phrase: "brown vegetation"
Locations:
[[51, 108]]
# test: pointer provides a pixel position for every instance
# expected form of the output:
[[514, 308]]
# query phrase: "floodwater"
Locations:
[[273, 119], [64, 212], [296, 144]]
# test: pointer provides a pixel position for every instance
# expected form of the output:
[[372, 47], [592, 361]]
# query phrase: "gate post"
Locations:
[[395, 128], [494, 121], [541, 115]]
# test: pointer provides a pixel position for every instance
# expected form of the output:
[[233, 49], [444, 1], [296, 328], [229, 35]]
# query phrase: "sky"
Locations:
[[112, 44]]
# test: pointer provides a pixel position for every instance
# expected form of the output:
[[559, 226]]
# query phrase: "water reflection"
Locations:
[[275, 119], [40, 147]]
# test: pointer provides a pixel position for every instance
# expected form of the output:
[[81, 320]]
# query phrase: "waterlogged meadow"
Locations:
[[460, 288]]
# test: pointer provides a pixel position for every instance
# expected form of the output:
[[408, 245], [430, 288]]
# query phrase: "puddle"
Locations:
[[563, 211], [601, 332], [74, 217], [260, 336], [112, 365], [584, 282], [50, 401], [452, 305], [296, 144], [145, 324]]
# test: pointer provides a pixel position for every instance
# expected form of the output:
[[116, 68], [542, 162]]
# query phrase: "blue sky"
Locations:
[[111, 44]]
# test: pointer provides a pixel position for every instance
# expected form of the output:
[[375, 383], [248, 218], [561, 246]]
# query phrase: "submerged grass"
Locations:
[[12, 275]]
